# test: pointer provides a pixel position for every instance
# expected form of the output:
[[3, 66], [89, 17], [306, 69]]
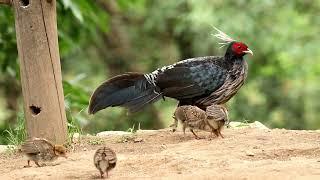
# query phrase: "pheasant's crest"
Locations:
[[223, 36]]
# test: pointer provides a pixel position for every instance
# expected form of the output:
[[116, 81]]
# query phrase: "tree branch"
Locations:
[[7, 2]]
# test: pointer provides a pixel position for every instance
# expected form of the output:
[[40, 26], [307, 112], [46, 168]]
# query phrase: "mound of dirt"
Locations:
[[246, 153]]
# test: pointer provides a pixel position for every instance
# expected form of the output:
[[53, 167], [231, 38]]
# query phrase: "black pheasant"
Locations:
[[200, 81]]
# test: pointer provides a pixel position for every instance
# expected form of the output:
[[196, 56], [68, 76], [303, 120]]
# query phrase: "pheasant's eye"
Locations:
[[239, 47]]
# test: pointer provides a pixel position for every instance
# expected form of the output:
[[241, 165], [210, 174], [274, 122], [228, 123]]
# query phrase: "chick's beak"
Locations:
[[248, 51]]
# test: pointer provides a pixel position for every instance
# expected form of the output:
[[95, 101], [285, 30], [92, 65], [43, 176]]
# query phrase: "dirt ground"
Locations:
[[248, 153]]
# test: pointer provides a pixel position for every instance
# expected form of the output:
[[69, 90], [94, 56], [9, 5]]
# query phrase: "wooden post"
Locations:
[[37, 41]]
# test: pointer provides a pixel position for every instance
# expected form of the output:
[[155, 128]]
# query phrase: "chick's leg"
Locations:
[[36, 162], [175, 123], [196, 136], [210, 136], [101, 173], [27, 165], [184, 130], [216, 132], [220, 134]]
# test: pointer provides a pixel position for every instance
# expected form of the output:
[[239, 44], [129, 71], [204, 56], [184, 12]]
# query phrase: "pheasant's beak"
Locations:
[[248, 51]]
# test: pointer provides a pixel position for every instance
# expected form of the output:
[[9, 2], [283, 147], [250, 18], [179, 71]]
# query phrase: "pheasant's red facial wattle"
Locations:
[[240, 49]]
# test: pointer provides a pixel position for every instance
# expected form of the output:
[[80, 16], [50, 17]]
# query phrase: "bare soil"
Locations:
[[248, 153]]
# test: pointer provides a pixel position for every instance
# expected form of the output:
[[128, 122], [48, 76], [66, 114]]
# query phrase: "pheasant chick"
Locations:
[[190, 117], [39, 149], [104, 159], [217, 117]]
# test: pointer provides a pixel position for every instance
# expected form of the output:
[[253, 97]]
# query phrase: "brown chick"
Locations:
[[191, 117], [38, 149], [217, 117], [104, 159]]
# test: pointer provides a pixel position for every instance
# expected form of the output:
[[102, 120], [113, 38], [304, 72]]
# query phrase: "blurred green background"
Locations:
[[102, 38]]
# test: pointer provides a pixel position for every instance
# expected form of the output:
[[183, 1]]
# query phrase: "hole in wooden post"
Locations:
[[24, 3], [35, 110]]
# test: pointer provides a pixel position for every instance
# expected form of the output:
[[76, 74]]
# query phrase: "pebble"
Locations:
[[249, 153], [111, 133], [163, 146], [136, 140]]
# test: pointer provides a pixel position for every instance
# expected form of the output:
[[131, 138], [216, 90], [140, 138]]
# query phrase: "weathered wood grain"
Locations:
[[37, 41]]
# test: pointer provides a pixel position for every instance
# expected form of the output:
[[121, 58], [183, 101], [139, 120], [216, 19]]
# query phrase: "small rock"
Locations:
[[258, 125], [85, 149], [136, 140], [234, 124], [163, 146], [149, 132], [113, 133], [76, 137], [5, 148], [146, 131], [249, 153]]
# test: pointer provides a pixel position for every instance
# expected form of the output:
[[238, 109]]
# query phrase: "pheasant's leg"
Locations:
[[175, 123], [220, 134], [107, 174], [216, 132], [210, 136], [184, 131], [27, 165], [196, 136], [36, 162], [227, 123], [101, 173]]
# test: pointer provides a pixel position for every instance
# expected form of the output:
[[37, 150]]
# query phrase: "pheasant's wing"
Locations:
[[227, 90], [190, 78], [112, 157], [97, 157], [193, 113], [30, 147], [216, 112], [37, 145]]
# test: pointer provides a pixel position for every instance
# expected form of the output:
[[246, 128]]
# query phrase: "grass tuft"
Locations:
[[18, 134]]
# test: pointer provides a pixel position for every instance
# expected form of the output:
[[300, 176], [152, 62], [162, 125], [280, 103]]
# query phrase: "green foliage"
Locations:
[[76, 102], [16, 135], [8, 61]]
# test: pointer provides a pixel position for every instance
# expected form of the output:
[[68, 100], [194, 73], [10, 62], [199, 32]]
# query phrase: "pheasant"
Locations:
[[195, 118], [104, 159], [200, 81], [39, 149]]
